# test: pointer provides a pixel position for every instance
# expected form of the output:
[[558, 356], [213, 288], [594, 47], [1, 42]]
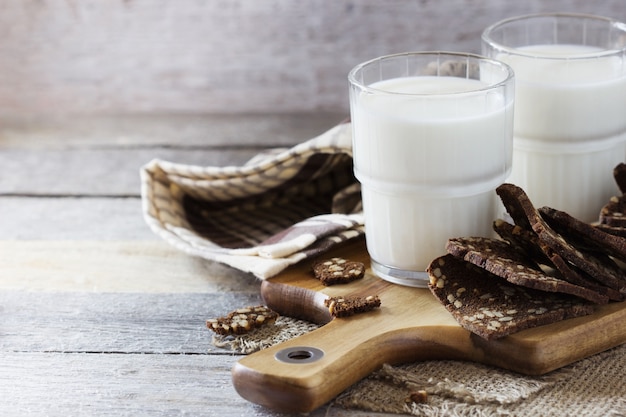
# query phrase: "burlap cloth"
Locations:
[[595, 386], [292, 204]]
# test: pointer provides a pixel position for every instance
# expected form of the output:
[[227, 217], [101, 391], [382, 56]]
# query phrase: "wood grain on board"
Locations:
[[411, 325]]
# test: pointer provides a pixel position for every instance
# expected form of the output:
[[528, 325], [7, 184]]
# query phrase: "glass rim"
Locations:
[[487, 39], [510, 75]]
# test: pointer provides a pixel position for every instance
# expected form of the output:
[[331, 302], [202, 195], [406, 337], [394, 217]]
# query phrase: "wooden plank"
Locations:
[[53, 384], [114, 322], [102, 158], [179, 130], [114, 266], [73, 218], [97, 172]]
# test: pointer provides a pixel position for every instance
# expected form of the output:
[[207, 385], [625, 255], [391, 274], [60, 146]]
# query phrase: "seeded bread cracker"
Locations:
[[614, 212], [619, 173], [525, 240], [242, 320], [612, 230], [526, 215], [583, 234], [503, 260], [568, 272], [492, 308], [529, 243], [589, 239], [348, 306], [517, 205], [338, 271]]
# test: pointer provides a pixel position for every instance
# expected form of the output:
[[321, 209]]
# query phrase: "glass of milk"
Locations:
[[432, 139], [570, 106]]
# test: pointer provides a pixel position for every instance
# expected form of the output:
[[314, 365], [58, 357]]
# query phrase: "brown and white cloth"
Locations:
[[281, 207]]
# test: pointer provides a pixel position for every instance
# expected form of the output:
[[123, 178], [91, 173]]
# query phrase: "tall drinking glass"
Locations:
[[570, 106], [432, 139]]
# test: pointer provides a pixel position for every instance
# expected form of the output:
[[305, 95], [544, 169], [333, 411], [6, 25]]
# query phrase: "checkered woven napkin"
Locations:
[[278, 209]]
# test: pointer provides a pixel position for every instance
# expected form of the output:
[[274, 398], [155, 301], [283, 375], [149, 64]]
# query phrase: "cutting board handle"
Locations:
[[306, 372]]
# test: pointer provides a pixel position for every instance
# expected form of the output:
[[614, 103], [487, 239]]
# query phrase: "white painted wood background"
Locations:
[[224, 56]]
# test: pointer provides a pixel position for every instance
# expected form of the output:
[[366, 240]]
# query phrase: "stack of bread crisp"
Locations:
[[546, 266]]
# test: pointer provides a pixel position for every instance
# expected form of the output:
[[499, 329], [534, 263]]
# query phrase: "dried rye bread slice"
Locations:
[[524, 213], [511, 196], [338, 271], [567, 272], [492, 308], [242, 320], [590, 240], [523, 239], [619, 173], [503, 260], [529, 243], [584, 235], [592, 284], [570, 273], [612, 230], [348, 306], [614, 212]]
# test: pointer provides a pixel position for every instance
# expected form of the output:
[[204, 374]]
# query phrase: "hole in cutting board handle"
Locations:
[[299, 354]]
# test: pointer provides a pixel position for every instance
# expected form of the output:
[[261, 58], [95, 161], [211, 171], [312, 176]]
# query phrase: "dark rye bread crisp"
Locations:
[[584, 235], [612, 230], [242, 320], [528, 242], [523, 239], [492, 308], [567, 272], [614, 212], [338, 271], [348, 306], [515, 201], [503, 260], [619, 173], [588, 238], [525, 214]]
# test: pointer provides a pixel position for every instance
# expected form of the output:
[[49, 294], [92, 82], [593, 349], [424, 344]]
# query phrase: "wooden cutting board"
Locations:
[[411, 325]]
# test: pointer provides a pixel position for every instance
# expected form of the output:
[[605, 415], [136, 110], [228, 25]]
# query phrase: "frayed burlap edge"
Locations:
[[452, 388]]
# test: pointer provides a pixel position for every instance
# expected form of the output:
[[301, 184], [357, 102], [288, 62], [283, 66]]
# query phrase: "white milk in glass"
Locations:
[[570, 126], [428, 167]]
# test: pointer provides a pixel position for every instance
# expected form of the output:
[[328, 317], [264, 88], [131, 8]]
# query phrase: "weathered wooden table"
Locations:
[[98, 316]]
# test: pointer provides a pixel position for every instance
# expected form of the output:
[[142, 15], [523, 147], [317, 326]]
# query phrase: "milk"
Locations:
[[570, 126], [428, 164]]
